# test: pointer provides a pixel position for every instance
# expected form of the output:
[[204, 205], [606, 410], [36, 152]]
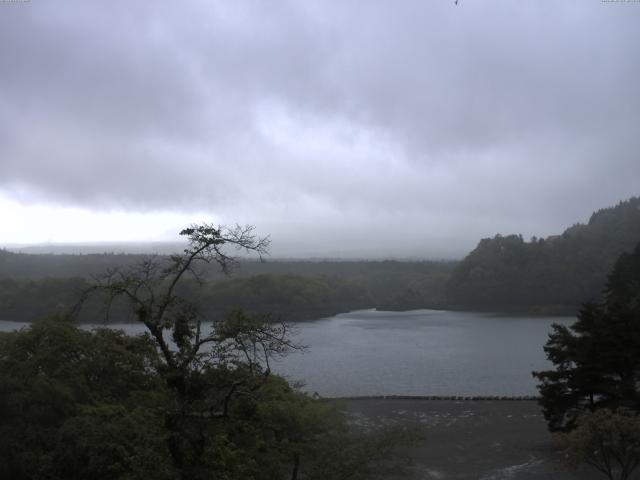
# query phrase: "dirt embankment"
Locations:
[[464, 439]]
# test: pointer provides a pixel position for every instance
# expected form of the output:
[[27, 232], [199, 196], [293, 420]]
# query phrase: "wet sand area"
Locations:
[[471, 439]]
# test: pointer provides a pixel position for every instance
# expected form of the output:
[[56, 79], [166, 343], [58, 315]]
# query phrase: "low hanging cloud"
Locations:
[[342, 127]]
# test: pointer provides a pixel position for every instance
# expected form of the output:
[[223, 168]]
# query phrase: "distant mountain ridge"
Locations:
[[553, 274]]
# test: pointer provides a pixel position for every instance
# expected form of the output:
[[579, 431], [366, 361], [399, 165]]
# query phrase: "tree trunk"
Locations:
[[296, 466]]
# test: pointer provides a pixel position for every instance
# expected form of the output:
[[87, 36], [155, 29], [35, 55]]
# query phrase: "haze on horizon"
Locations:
[[339, 129]]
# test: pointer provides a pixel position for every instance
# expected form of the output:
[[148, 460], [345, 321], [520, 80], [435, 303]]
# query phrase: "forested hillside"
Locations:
[[550, 275], [36, 285], [553, 274]]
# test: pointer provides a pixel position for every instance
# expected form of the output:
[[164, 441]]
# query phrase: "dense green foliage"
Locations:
[[78, 404], [607, 440], [186, 400], [25, 266], [29, 300], [291, 296], [557, 273], [317, 289], [597, 359]]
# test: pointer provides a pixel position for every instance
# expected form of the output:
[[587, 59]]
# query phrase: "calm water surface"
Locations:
[[421, 352]]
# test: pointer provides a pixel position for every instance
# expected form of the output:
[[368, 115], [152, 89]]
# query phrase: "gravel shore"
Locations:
[[480, 440]]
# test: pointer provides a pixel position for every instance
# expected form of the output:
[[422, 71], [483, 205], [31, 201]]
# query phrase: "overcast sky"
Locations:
[[354, 128]]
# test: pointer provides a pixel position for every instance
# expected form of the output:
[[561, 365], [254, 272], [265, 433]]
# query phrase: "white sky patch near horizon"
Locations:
[[43, 224]]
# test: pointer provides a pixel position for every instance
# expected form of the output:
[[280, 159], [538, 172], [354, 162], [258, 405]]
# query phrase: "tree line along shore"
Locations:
[[506, 273]]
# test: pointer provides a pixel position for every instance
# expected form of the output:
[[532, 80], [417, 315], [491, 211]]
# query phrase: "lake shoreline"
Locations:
[[436, 398], [514, 310], [322, 314]]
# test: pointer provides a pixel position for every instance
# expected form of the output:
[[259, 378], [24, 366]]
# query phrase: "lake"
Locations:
[[420, 352]]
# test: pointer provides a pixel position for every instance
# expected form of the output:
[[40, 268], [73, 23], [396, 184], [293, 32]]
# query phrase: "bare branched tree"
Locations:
[[203, 370], [149, 287]]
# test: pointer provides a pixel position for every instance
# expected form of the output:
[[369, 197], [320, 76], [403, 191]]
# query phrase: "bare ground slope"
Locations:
[[484, 440]]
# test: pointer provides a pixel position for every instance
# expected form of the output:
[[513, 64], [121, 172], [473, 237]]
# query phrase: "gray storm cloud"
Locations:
[[411, 128]]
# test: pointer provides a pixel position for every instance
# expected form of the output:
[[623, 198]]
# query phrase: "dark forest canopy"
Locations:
[[597, 359], [182, 400], [36, 266], [548, 275], [35, 285], [314, 294], [558, 272]]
